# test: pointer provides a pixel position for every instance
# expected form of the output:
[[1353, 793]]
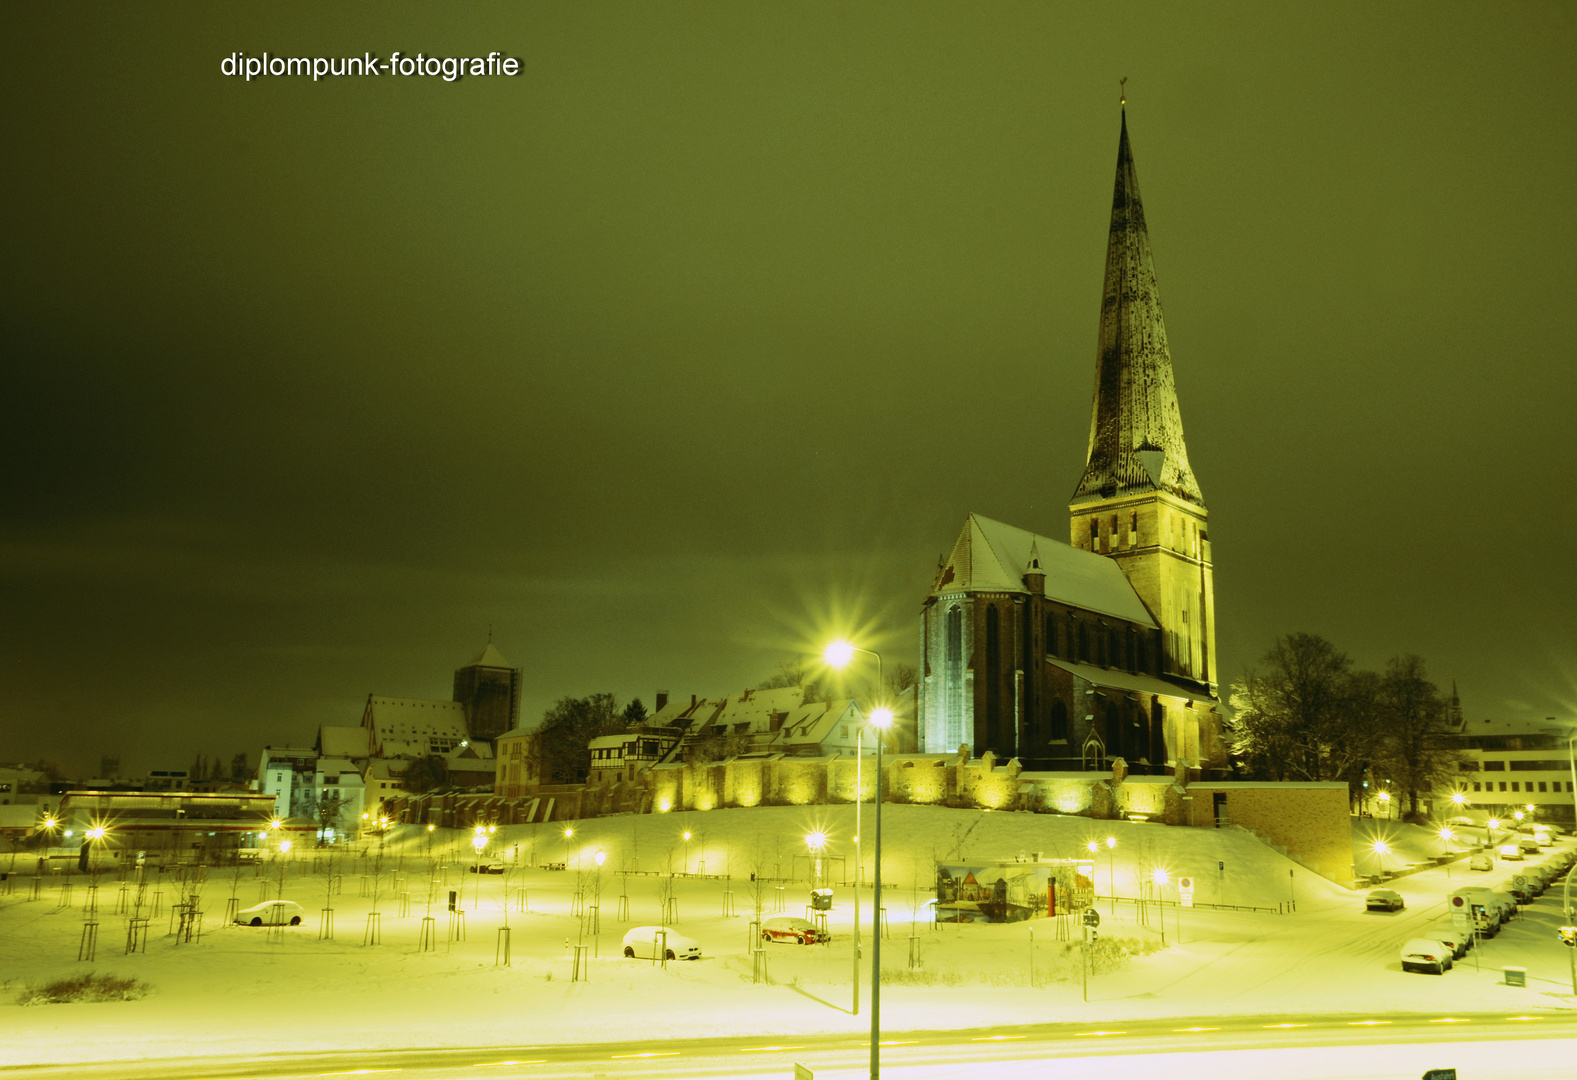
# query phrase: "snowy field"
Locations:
[[244, 989]]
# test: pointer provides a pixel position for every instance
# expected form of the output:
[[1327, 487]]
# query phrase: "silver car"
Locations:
[[271, 913]]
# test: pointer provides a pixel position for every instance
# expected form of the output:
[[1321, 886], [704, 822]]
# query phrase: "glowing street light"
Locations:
[[687, 851], [839, 654], [1385, 803], [1380, 849]]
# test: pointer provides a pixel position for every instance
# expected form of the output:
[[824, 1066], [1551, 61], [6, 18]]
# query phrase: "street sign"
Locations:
[[802, 1073], [1185, 891], [1460, 920], [1186, 883], [1092, 917], [1520, 879]]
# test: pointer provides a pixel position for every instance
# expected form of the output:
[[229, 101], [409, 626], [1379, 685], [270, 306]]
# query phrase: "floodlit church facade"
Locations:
[[1069, 656]]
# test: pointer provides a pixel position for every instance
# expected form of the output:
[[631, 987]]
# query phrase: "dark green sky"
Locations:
[[700, 338]]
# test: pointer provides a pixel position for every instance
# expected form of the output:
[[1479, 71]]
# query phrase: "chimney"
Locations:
[[662, 699]]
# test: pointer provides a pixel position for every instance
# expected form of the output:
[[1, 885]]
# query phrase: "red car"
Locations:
[[794, 931]]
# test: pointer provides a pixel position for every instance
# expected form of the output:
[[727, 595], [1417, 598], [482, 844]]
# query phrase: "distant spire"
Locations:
[[1136, 432]]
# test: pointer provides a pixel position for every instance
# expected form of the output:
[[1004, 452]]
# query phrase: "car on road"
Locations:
[[1510, 852], [270, 913], [792, 930], [1481, 860], [486, 868], [1528, 846], [1384, 900], [1426, 955], [643, 943]]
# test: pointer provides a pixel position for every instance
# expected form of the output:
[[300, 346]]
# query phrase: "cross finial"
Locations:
[[1122, 93]]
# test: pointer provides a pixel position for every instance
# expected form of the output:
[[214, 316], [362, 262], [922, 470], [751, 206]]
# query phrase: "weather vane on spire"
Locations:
[[1122, 93]]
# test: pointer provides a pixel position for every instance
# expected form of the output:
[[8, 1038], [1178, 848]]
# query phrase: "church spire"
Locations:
[[1136, 431]]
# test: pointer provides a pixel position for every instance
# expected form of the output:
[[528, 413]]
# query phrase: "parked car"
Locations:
[[1426, 955], [795, 931], [486, 868], [1510, 852], [1458, 941], [270, 913], [1384, 900], [643, 942], [1528, 846], [1481, 860]]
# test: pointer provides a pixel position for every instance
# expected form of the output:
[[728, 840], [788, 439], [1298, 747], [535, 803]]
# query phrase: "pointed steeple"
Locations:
[[1136, 431]]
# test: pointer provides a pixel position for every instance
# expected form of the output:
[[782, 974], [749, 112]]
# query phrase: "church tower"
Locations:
[[489, 691], [1138, 502]]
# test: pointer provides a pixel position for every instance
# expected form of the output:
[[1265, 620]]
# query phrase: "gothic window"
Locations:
[[1157, 732], [1084, 643], [993, 675], [1095, 534], [1133, 529], [955, 634], [1051, 635], [1059, 719]]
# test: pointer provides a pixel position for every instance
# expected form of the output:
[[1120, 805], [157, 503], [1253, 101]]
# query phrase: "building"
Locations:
[[1067, 656], [410, 727], [1510, 765], [488, 691], [288, 773]]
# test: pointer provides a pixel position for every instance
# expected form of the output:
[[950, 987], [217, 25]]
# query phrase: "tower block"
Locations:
[[1138, 502]]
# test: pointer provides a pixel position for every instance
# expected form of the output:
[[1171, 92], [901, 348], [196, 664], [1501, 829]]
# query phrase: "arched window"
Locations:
[[994, 682], [955, 634], [1059, 719]]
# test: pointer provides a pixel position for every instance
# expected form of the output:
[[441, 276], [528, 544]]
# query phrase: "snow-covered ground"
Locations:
[[242, 989]]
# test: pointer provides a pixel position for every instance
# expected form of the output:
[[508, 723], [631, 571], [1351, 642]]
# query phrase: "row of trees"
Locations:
[[1309, 714], [214, 768]]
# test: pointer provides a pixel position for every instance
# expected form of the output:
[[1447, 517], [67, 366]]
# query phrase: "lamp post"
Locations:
[[1385, 803], [1161, 877], [1379, 847], [882, 718], [687, 852], [478, 842], [838, 655]]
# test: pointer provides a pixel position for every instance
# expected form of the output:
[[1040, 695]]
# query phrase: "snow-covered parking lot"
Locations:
[[239, 989]]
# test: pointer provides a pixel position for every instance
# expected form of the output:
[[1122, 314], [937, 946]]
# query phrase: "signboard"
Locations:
[[1185, 891], [1460, 920], [1004, 891], [1520, 880], [1441, 1074], [803, 1073], [1092, 917]]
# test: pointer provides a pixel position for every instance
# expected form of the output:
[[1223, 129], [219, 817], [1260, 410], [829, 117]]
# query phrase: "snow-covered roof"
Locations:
[[989, 556], [815, 721], [757, 707], [1122, 680], [412, 726], [489, 657]]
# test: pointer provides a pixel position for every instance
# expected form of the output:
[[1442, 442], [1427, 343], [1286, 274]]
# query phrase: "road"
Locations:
[[1534, 1046]]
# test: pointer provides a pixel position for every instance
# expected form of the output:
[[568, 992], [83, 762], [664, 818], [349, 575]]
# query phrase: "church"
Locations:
[[1070, 656]]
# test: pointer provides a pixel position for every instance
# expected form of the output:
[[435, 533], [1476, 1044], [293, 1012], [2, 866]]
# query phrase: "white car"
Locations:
[[271, 913], [1510, 852], [1426, 955], [643, 943]]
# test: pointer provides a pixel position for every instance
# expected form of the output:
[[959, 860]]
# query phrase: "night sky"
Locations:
[[693, 344]]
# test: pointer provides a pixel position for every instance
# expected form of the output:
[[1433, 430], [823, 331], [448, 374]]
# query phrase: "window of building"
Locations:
[[1538, 766], [1495, 766], [1095, 534], [1475, 785], [1503, 785], [1469, 766], [1568, 785], [1133, 529], [955, 634], [1541, 785], [1514, 785]]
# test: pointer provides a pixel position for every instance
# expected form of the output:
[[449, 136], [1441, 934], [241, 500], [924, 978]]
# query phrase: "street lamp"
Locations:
[[883, 719], [687, 851], [1385, 803], [1380, 848], [839, 654]]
